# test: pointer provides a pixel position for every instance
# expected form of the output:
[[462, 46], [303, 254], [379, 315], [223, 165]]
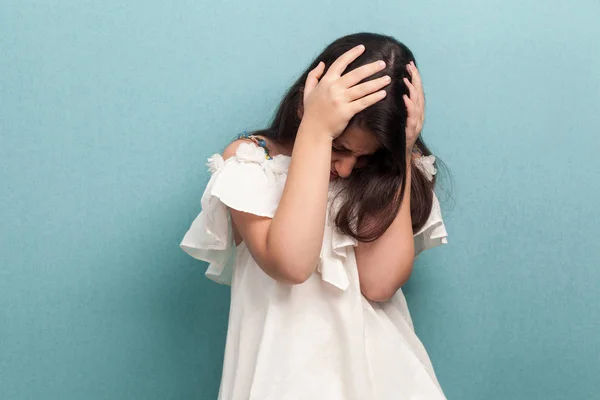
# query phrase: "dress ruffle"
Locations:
[[250, 183], [334, 252], [246, 182], [433, 233]]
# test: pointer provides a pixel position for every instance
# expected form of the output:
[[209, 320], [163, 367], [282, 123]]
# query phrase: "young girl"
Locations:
[[315, 222]]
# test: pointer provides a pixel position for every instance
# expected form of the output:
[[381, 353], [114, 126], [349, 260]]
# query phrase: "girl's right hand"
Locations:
[[331, 101]]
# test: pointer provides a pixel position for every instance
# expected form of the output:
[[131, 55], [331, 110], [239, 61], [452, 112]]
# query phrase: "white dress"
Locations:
[[318, 340]]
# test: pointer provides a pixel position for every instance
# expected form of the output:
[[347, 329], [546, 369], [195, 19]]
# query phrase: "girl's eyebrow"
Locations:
[[344, 148]]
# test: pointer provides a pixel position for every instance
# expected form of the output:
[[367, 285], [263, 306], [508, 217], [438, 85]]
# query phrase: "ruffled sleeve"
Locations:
[[336, 248], [246, 182], [333, 265], [433, 233], [334, 252]]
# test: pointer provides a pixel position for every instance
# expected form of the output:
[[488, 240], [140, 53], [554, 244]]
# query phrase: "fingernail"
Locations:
[[387, 78], [361, 46], [408, 67], [381, 63]]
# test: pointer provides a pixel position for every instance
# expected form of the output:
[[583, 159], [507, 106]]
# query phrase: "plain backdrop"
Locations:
[[109, 109]]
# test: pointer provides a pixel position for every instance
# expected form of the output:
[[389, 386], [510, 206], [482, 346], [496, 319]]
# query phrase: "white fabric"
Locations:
[[318, 340], [433, 233]]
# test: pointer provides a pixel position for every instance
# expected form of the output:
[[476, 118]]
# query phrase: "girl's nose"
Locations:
[[345, 166]]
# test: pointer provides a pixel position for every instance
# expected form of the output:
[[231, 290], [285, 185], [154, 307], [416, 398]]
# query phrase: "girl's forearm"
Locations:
[[385, 264], [296, 232]]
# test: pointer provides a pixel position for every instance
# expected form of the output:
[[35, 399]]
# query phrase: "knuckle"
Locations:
[[336, 100]]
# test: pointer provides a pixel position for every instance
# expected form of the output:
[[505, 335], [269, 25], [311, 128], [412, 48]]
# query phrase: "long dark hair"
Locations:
[[371, 195]]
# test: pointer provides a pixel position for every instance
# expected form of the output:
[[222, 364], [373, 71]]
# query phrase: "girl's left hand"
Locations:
[[415, 106]]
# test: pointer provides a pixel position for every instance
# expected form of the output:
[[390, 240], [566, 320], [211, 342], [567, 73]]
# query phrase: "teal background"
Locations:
[[109, 109]]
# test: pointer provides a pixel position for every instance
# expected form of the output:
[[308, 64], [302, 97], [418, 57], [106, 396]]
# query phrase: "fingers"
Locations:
[[417, 82], [318, 71], [313, 78], [412, 121], [413, 92], [417, 96], [353, 77], [339, 65], [368, 87], [367, 101], [411, 107]]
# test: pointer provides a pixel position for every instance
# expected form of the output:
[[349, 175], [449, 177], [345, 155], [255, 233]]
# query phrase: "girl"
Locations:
[[315, 222]]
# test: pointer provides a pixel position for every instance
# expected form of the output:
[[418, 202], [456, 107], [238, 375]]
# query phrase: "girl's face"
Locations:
[[351, 150]]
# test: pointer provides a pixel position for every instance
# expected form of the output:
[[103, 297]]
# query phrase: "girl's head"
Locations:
[[370, 155]]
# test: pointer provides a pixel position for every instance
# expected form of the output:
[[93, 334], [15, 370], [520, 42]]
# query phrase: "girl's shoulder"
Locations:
[[242, 178], [246, 145], [244, 157], [250, 152], [269, 147]]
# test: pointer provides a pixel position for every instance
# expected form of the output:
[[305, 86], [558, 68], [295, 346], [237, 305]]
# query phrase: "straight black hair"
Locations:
[[373, 194]]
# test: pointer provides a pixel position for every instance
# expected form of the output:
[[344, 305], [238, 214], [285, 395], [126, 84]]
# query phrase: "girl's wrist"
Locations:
[[316, 131]]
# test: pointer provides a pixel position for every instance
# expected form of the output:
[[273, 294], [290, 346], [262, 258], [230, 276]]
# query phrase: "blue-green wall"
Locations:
[[108, 110]]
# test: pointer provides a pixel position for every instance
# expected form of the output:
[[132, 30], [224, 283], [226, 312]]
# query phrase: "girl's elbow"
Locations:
[[379, 293], [294, 273], [290, 266], [297, 279], [382, 290]]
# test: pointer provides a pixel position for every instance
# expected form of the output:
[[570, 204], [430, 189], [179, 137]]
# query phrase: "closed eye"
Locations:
[[362, 162], [339, 149]]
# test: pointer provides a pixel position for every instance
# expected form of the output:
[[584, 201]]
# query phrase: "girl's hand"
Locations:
[[415, 106], [331, 101]]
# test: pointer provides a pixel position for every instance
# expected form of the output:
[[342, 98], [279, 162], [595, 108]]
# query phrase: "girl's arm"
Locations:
[[385, 264], [287, 247]]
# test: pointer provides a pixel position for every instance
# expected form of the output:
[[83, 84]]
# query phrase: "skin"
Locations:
[[386, 264], [287, 246], [350, 149]]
